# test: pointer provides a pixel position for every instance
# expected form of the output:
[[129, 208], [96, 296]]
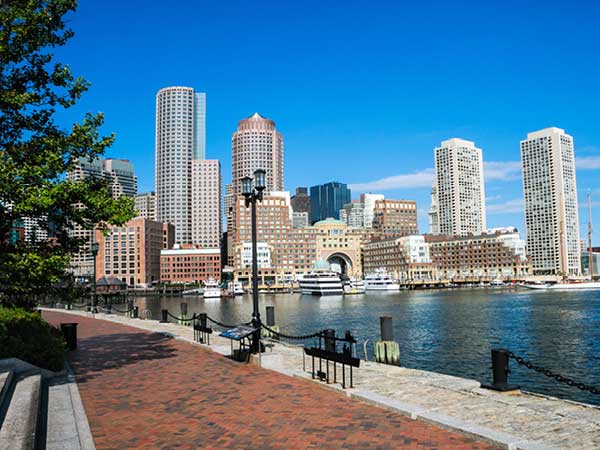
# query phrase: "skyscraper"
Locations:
[[459, 188], [550, 192], [207, 199], [180, 138], [301, 201], [326, 200], [257, 145], [145, 205]]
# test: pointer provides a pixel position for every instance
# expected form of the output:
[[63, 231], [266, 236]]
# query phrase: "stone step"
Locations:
[[19, 428]]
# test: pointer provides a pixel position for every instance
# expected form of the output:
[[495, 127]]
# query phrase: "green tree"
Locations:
[[36, 153]]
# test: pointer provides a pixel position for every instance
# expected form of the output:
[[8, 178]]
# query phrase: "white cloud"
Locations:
[[420, 179], [501, 170], [587, 162], [510, 206]]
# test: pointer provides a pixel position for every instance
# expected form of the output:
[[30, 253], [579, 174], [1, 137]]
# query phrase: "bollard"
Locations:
[[69, 331], [135, 312], [270, 316], [109, 308], [328, 334], [387, 330], [183, 308], [387, 351], [164, 316], [500, 372]]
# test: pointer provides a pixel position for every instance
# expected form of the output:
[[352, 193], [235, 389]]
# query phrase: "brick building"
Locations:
[[395, 218], [131, 253], [188, 264]]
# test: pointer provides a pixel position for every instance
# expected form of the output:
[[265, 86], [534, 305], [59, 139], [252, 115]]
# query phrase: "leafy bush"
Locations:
[[25, 335]]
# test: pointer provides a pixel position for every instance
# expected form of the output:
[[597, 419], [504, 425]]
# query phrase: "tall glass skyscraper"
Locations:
[[326, 200]]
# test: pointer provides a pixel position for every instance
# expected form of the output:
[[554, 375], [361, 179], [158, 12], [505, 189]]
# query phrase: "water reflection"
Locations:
[[448, 331]]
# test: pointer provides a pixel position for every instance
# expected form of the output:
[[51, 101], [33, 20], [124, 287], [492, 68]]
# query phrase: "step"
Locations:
[[6, 386], [18, 431]]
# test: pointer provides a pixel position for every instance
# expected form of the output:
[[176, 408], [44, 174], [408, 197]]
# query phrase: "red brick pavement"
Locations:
[[145, 390]]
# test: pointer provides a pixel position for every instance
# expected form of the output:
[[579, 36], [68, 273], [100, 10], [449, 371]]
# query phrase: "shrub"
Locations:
[[25, 335]]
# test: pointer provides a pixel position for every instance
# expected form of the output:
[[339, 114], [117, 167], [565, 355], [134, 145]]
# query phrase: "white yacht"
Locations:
[[321, 281], [354, 286], [211, 289], [380, 281], [238, 288], [497, 283], [582, 286]]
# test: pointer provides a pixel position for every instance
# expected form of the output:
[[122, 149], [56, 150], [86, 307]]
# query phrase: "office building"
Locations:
[[131, 252], [206, 203], [301, 201], [326, 200], [395, 218], [551, 209], [180, 138], [459, 189], [189, 264], [300, 219], [145, 205], [352, 214]]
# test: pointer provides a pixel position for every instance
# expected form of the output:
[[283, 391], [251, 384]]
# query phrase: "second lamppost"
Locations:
[[253, 192], [94, 250]]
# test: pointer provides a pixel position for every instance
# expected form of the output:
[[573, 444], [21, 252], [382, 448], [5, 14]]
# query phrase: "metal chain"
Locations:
[[556, 376], [180, 319], [219, 323], [121, 311], [287, 336]]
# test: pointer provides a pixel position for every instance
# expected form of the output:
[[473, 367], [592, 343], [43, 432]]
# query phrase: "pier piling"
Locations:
[[387, 351]]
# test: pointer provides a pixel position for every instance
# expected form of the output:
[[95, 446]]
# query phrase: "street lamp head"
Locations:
[[259, 179], [247, 186], [95, 248]]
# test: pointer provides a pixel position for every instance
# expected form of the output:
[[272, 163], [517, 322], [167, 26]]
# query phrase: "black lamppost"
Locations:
[[94, 250], [252, 194]]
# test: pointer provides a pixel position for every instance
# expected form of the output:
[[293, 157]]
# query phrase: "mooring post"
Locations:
[[387, 351], [183, 309], [500, 372], [271, 323], [164, 315], [136, 311]]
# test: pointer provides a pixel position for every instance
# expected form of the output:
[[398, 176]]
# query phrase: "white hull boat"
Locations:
[[321, 282], [584, 286], [380, 281]]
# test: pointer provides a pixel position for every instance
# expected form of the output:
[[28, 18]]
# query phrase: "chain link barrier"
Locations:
[[288, 336], [221, 324], [560, 378], [181, 319]]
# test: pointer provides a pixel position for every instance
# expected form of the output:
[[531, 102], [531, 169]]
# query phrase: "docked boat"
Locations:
[[353, 286], [238, 288], [497, 283], [211, 289], [321, 281], [380, 281], [582, 286]]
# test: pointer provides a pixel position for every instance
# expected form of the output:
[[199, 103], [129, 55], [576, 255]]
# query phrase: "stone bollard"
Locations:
[[500, 372], [271, 324], [386, 350], [164, 315]]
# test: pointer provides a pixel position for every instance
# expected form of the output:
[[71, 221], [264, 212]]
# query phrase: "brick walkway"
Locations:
[[145, 390]]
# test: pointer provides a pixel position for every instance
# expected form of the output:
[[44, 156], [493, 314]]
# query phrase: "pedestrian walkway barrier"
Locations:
[[202, 331], [500, 371]]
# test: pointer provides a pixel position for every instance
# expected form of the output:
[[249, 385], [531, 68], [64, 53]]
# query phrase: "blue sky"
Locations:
[[362, 91]]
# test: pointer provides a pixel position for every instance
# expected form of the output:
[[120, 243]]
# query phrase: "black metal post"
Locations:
[[164, 315], [255, 310], [500, 372], [270, 316]]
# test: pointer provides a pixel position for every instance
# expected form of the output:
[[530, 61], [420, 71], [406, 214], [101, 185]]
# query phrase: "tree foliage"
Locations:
[[36, 152]]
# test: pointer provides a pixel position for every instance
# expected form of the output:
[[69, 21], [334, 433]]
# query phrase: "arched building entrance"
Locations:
[[340, 263]]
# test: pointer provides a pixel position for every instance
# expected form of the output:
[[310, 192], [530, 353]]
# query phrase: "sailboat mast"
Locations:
[[591, 254]]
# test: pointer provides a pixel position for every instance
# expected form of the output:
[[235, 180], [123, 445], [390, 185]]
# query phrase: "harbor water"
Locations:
[[447, 331]]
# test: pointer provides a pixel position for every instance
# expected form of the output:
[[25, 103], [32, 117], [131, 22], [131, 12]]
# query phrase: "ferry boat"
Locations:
[[354, 286], [380, 281], [238, 288], [321, 281], [211, 289]]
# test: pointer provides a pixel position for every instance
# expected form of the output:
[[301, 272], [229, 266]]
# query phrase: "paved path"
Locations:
[[145, 390]]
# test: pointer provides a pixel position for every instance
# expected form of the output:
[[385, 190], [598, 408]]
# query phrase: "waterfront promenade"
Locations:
[[142, 389]]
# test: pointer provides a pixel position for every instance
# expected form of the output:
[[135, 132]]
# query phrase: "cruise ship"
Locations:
[[321, 281], [380, 281]]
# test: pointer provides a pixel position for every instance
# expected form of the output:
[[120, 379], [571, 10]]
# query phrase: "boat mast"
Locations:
[[591, 254]]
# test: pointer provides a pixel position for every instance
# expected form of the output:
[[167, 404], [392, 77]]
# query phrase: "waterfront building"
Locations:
[[131, 252], [327, 199], [340, 246], [395, 218], [300, 219], [206, 203], [404, 258], [120, 174], [459, 189], [180, 138], [551, 210], [145, 205], [301, 201], [585, 263], [189, 264], [352, 214], [263, 255], [480, 257], [434, 220], [36, 229]]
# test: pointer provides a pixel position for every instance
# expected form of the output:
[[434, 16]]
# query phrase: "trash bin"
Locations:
[[69, 331]]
